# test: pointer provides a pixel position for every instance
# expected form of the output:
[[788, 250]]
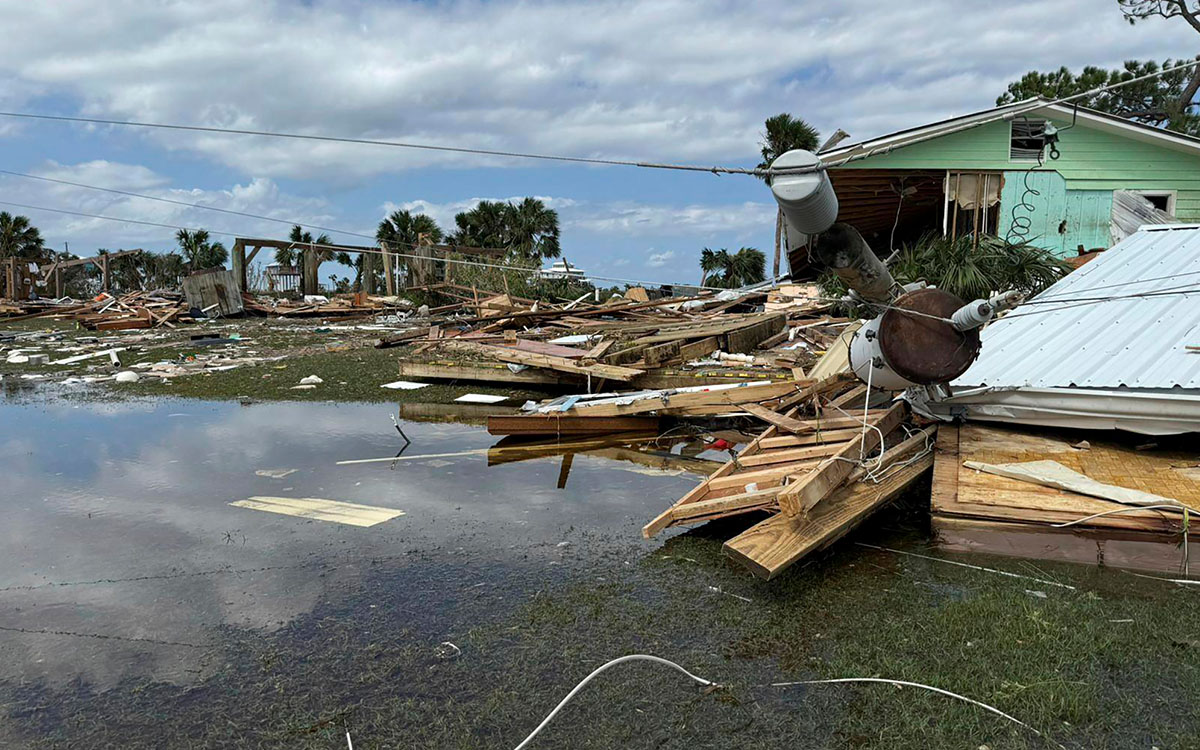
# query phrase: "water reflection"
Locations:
[[137, 489]]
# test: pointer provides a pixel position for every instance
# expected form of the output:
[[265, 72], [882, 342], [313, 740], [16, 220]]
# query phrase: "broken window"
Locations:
[[1028, 139], [1164, 201]]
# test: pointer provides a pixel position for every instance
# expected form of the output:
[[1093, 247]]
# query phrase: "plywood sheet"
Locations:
[[318, 509]]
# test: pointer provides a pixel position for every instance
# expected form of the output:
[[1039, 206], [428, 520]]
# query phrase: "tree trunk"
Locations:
[[778, 235]]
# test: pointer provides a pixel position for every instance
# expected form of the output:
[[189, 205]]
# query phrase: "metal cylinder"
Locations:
[[844, 251], [806, 199]]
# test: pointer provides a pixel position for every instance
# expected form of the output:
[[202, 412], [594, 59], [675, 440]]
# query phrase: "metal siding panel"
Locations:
[[1134, 343], [1047, 193]]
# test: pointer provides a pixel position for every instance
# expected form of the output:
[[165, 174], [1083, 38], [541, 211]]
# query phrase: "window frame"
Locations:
[[1170, 195], [1026, 159]]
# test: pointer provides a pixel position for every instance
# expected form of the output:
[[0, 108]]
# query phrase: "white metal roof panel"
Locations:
[[1124, 320]]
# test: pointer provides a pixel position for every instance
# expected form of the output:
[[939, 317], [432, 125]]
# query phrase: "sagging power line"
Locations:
[[755, 172]]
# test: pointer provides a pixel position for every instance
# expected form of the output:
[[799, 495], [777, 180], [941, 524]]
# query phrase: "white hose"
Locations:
[[702, 681]]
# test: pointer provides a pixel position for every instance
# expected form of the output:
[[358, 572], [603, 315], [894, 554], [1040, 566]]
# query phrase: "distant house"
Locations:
[[1111, 175], [560, 269]]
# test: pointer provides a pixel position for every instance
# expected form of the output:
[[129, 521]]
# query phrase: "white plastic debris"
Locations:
[[404, 385], [16, 358], [311, 380], [480, 398], [127, 376]]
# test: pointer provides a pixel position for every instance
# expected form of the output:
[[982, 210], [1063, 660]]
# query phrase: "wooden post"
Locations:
[[389, 278], [308, 275], [104, 273], [58, 290], [239, 263], [368, 273]]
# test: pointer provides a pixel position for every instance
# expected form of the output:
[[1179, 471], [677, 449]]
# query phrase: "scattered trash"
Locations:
[[127, 376], [481, 398], [404, 385], [311, 380], [275, 473]]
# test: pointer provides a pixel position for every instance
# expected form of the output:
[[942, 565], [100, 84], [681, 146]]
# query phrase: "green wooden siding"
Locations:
[[1061, 220], [1092, 160]]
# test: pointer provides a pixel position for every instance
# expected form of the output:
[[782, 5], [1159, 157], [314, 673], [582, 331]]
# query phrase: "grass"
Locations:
[[369, 659]]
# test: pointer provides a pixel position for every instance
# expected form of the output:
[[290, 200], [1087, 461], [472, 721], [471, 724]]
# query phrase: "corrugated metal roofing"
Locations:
[[1065, 338]]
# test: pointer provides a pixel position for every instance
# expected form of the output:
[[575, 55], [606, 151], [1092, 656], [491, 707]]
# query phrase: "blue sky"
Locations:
[[679, 81]]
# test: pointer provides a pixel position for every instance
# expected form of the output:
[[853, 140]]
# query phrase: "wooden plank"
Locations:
[[799, 498], [688, 401], [770, 416], [319, 509], [740, 503], [791, 455], [770, 547], [566, 424], [560, 364], [441, 371], [542, 347], [945, 467], [812, 438], [697, 349]]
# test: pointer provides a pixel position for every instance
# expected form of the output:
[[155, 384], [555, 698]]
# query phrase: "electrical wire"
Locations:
[[185, 203], [1020, 226], [710, 684], [371, 251], [605, 162]]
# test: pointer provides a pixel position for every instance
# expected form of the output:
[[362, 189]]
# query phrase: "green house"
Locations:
[[1001, 172]]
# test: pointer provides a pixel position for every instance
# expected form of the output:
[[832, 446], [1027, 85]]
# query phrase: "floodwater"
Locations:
[[139, 493], [139, 608]]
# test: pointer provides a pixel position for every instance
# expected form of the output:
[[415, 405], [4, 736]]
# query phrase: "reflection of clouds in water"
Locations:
[[130, 491]]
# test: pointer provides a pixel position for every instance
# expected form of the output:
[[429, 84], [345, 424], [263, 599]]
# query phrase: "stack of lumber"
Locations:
[[815, 470]]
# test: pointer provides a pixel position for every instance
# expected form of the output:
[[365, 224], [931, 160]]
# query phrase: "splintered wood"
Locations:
[[828, 468]]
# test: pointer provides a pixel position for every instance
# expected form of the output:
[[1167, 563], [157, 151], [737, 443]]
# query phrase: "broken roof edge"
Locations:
[[1142, 411], [1103, 120]]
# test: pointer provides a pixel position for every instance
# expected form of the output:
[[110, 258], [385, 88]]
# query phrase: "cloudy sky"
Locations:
[[664, 80]]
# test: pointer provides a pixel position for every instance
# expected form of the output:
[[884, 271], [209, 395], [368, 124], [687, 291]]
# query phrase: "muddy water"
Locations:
[[130, 504]]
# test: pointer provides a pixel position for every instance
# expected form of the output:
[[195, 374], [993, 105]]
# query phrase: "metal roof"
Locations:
[[1124, 320]]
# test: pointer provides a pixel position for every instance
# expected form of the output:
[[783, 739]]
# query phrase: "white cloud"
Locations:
[[679, 80], [658, 260], [632, 219], [259, 196]]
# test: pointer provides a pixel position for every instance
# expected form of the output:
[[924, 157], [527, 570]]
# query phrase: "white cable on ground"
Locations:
[[589, 678], [709, 683], [939, 691]]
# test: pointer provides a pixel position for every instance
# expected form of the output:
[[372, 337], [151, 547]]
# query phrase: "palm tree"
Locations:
[[402, 231], [732, 270], [199, 251], [784, 133], [486, 225], [293, 256], [533, 230], [19, 238]]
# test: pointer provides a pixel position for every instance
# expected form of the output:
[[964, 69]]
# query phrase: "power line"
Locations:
[[183, 203], [394, 144], [370, 251], [596, 161]]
